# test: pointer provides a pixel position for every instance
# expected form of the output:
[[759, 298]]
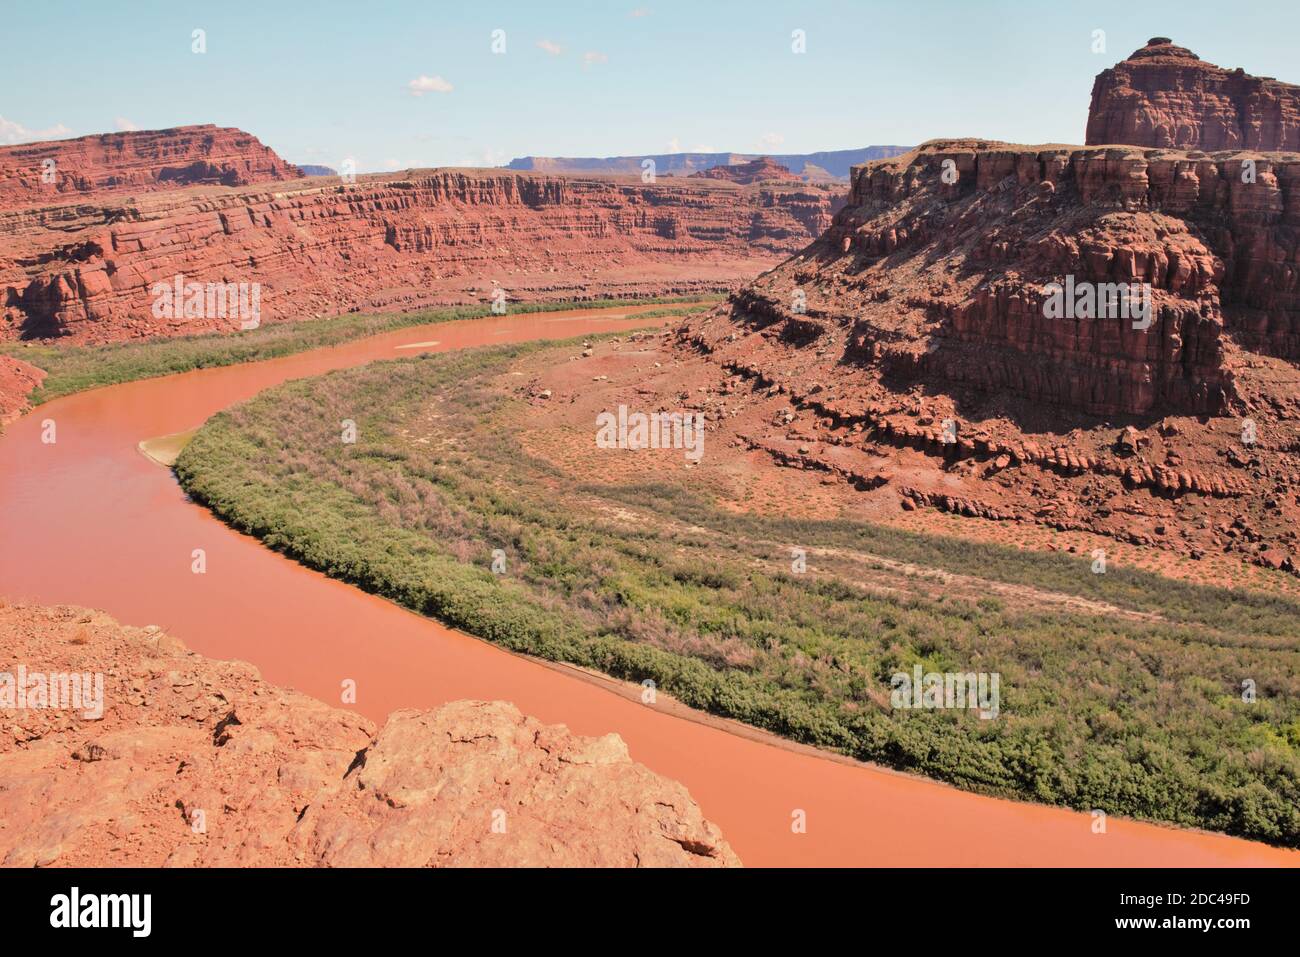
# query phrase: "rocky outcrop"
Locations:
[[195, 762], [1165, 96], [763, 168], [90, 271], [65, 170], [17, 380]]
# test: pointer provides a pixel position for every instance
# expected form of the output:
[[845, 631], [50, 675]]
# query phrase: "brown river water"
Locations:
[[90, 521]]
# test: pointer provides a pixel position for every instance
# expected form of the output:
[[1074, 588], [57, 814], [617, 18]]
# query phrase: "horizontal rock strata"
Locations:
[[320, 246], [138, 161]]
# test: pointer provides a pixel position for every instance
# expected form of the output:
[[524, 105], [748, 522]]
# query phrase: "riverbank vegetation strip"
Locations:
[[72, 369], [1131, 715]]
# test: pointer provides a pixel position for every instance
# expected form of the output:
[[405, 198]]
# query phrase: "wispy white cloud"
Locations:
[[551, 47], [771, 139], [12, 132], [428, 84], [592, 58], [639, 12], [488, 158], [124, 125]]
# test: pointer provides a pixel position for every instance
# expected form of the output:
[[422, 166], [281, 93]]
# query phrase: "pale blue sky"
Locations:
[[324, 80]]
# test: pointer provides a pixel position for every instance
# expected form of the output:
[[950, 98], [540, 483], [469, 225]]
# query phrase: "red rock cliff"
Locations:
[[60, 171], [318, 246], [922, 279], [1164, 96]]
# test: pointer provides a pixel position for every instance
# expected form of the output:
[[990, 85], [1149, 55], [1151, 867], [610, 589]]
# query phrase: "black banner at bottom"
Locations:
[[332, 906]]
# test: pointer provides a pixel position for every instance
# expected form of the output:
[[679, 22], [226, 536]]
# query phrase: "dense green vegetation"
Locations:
[[1134, 716], [77, 368]]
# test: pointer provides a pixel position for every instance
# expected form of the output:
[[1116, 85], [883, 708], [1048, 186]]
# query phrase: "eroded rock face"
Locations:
[[1165, 96], [17, 380], [139, 161], [316, 247], [478, 783], [196, 762]]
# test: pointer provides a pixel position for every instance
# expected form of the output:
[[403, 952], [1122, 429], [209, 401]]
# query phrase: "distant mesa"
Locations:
[[827, 166], [308, 170], [1164, 96], [760, 170], [137, 161]]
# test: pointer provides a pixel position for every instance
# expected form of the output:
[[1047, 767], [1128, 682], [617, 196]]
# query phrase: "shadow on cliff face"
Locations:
[[943, 287]]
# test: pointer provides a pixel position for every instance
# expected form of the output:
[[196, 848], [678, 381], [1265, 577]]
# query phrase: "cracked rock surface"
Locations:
[[198, 762]]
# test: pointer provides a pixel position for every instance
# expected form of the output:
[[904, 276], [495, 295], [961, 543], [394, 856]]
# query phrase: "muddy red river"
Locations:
[[89, 520]]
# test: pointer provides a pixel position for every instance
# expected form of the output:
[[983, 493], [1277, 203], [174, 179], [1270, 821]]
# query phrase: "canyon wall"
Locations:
[[66, 170], [88, 270], [1165, 96]]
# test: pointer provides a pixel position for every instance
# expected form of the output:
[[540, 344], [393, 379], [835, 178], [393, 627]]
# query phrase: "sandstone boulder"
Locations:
[[197, 762]]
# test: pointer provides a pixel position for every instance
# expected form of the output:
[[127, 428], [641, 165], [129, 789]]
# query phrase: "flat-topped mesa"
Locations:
[[762, 169], [1165, 96], [938, 274], [140, 161]]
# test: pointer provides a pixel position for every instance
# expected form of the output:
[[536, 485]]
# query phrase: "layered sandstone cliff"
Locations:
[[195, 762], [89, 271], [940, 267], [1165, 96], [140, 161]]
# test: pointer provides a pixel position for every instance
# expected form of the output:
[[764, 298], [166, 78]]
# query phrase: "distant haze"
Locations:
[[835, 162]]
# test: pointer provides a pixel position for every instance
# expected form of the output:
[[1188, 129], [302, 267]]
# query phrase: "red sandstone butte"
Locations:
[[909, 350], [198, 762], [762, 169], [140, 161], [1165, 96], [918, 279], [87, 270]]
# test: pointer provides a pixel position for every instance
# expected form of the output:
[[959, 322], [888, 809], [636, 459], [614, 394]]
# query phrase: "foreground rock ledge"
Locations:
[[197, 762]]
